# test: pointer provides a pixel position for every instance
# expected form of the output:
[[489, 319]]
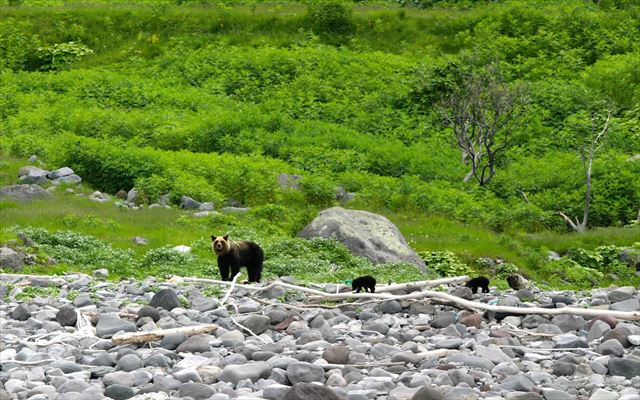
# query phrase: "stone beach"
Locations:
[[61, 348]]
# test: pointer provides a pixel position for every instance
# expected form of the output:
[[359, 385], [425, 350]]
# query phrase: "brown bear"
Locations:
[[233, 254]]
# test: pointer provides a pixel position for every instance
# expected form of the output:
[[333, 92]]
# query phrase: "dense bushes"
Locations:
[[214, 102]]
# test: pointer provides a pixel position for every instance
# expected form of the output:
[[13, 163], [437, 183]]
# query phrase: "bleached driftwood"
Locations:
[[143, 337], [585, 312], [459, 302], [58, 279], [413, 286]]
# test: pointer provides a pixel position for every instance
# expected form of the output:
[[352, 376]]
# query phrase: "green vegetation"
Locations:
[[215, 99]]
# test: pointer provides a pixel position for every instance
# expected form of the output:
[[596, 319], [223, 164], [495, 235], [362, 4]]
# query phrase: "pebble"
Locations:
[[287, 351]]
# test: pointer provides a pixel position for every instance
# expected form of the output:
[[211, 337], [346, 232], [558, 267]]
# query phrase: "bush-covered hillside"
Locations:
[[215, 99]]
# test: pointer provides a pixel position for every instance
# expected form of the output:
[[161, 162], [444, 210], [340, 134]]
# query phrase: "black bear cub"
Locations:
[[367, 282], [233, 254], [479, 282]]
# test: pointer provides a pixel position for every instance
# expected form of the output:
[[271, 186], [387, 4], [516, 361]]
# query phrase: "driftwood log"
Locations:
[[150, 336], [453, 300]]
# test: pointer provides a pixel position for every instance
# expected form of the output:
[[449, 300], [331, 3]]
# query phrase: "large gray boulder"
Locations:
[[32, 175], [23, 192], [364, 233], [11, 259]]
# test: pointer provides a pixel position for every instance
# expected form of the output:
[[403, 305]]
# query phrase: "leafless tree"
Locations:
[[483, 112], [598, 126]]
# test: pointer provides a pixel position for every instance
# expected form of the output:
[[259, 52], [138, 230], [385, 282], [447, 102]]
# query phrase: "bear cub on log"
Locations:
[[233, 254], [367, 282], [479, 282]]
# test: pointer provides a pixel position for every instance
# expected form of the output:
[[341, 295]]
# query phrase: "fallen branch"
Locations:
[[413, 286], [462, 303], [142, 337], [233, 283]]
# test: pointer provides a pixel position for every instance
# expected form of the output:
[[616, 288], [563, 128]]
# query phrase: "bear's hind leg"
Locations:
[[224, 271]]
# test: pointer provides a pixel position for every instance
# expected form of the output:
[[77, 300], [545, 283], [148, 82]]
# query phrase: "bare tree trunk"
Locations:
[[587, 162]]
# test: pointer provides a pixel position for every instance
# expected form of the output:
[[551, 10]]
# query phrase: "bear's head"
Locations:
[[220, 245]]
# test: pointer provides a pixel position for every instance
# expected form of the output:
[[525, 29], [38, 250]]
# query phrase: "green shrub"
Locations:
[[445, 263], [59, 55], [330, 17], [81, 251]]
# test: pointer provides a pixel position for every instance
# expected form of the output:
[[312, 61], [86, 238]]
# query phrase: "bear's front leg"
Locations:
[[223, 267]]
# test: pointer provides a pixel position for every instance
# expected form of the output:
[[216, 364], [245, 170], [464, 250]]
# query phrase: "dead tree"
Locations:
[[598, 129], [484, 112]]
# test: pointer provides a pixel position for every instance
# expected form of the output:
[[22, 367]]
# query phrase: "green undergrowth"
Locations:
[[81, 235]]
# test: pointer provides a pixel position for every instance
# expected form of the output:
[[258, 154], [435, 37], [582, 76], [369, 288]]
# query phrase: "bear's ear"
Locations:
[[226, 237], [213, 238]]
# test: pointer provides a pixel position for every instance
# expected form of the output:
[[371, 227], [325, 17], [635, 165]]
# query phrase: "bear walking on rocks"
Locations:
[[367, 282], [517, 282], [479, 282], [233, 254]]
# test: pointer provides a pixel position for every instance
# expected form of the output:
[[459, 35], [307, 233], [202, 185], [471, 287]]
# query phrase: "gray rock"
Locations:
[[119, 392], [10, 259], [275, 392], [197, 391], [195, 344], [72, 179], [165, 298], [130, 362], [59, 173], [561, 368], [151, 312], [140, 241], [602, 394], [567, 323], [524, 295], [132, 196], [463, 292], [157, 360], [206, 206], [610, 347], [553, 394], [597, 330], [257, 323], [73, 385], [118, 378], [253, 371], [381, 351], [108, 325], [289, 181], [376, 326], [310, 391], [471, 361], [23, 192], [100, 273], [569, 340], [188, 203], [519, 382], [305, 372], [203, 304], [32, 175], [523, 396], [428, 393], [365, 234], [67, 316], [232, 338], [443, 319], [624, 367], [390, 307], [626, 305], [21, 312], [549, 329], [338, 354]]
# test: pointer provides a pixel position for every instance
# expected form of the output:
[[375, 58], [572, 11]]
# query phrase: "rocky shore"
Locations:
[[275, 344]]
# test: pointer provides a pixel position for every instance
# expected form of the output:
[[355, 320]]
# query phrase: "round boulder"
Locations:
[[365, 234]]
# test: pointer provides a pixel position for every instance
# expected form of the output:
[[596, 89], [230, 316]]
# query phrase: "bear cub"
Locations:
[[367, 282], [233, 254], [479, 282]]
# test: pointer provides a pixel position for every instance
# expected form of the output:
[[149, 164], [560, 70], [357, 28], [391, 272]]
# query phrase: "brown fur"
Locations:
[[233, 254]]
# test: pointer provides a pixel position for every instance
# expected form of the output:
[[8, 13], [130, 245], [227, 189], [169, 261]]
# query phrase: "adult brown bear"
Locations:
[[233, 254]]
